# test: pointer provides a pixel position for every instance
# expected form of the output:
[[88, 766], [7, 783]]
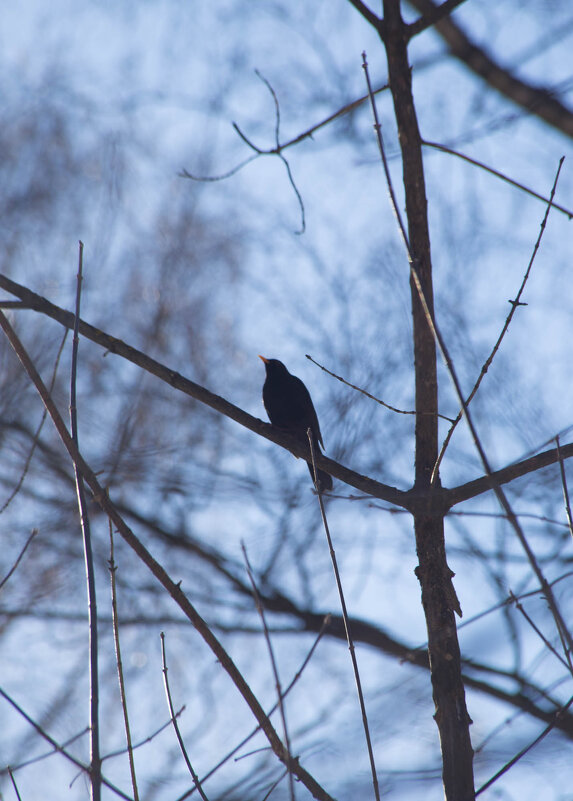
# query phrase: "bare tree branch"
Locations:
[[498, 174], [506, 474], [369, 15], [367, 394], [536, 100], [527, 748], [439, 599], [515, 304], [274, 666], [19, 557], [95, 758], [347, 628], [36, 437], [173, 716], [363, 483], [432, 17], [174, 589], [60, 749], [119, 663]]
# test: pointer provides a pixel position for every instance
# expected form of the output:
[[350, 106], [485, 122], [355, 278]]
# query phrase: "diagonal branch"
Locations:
[[369, 16], [38, 303], [410, 499], [368, 394], [59, 749], [498, 174], [515, 304], [174, 589], [536, 100], [506, 474]]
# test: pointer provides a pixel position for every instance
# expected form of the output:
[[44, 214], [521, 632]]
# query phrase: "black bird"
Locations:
[[289, 406]]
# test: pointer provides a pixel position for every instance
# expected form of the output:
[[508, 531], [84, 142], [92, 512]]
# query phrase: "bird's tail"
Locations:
[[323, 479]]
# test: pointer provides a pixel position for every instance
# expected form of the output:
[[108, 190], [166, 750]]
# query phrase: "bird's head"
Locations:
[[273, 366]]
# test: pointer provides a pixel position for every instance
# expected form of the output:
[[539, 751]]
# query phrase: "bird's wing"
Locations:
[[306, 404]]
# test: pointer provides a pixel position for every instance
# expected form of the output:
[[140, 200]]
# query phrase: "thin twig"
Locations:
[[306, 134], [497, 173], [519, 606], [200, 393], [346, 109], [507, 601], [261, 611], [277, 106], [346, 623], [203, 179], [297, 193], [564, 485], [174, 589], [60, 749], [95, 773], [14, 785], [276, 150], [500, 494], [115, 615], [378, 130], [368, 395], [36, 436], [40, 758], [245, 740], [18, 559], [454, 513], [279, 153], [194, 776], [273, 786], [514, 306], [527, 748], [145, 740]]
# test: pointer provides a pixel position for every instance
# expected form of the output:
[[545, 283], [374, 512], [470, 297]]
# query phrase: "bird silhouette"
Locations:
[[289, 406]]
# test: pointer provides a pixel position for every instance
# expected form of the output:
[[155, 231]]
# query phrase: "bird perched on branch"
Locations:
[[289, 406]]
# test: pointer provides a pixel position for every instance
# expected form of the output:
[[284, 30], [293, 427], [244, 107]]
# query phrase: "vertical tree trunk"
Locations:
[[438, 595]]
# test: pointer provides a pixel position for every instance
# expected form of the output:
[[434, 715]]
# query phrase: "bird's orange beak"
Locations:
[[266, 361]]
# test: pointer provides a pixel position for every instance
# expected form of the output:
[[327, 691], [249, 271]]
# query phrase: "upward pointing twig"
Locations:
[[194, 776], [514, 305], [88, 556], [119, 663], [500, 494], [378, 130], [38, 431]]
